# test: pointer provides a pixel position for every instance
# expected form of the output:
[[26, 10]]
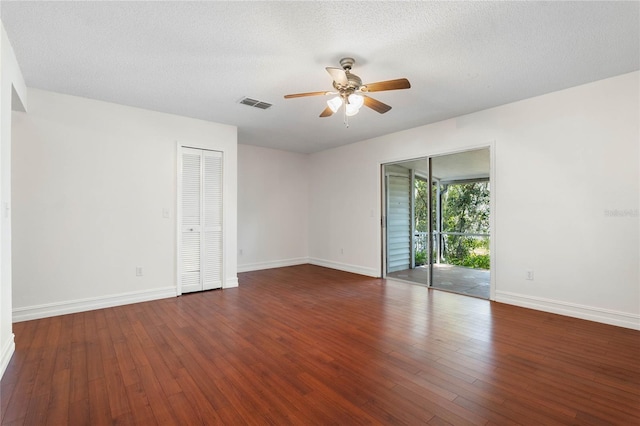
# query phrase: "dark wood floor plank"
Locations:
[[438, 421], [98, 397], [441, 407], [43, 387], [23, 370], [95, 369], [474, 390], [164, 374], [310, 345], [79, 374], [141, 411], [338, 410], [59, 398], [156, 397], [58, 410], [491, 411]]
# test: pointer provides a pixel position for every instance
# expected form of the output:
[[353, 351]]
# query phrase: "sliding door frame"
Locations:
[[493, 242]]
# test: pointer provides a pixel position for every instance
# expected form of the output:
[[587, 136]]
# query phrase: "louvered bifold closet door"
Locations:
[[190, 248], [212, 221], [201, 220]]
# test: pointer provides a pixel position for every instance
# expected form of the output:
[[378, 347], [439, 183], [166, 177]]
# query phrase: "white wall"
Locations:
[[12, 96], [562, 163], [273, 208], [91, 180]]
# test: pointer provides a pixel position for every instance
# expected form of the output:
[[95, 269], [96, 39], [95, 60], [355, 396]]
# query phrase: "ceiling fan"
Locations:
[[351, 93]]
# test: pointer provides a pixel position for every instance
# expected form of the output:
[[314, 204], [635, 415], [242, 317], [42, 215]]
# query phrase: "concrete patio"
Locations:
[[457, 279]]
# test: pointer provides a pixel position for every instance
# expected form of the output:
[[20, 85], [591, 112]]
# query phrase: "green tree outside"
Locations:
[[465, 209]]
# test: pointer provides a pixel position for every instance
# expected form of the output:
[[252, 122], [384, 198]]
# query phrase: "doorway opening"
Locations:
[[436, 227]]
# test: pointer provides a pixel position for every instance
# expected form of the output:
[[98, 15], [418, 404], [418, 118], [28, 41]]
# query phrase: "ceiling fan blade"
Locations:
[[338, 75], [400, 83], [300, 95], [326, 113], [376, 105]]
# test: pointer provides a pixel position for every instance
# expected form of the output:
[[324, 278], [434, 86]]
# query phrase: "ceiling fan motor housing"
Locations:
[[347, 63], [353, 83]]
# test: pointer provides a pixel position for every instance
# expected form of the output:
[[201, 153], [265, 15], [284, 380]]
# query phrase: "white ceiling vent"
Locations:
[[255, 103]]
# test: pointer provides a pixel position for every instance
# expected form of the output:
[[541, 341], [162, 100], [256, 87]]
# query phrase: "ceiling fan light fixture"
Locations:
[[335, 103], [351, 110], [356, 100]]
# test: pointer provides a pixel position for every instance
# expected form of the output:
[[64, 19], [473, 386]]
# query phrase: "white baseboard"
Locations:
[[606, 316], [370, 272], [272, 264], [231, 282], [8, 348], [89, 304]]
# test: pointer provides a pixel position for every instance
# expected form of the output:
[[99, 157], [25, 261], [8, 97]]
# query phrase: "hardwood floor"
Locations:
[[307, 345]]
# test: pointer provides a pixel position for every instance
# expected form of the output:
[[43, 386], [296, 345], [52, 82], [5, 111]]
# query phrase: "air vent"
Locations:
[[255, 103]]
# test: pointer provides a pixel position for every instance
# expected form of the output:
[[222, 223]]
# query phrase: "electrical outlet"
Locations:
[[166, 214], [529, 275], [138, 271], [341, 251], [240, 252]]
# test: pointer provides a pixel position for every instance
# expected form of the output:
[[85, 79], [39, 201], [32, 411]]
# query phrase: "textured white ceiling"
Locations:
[[198, 59]]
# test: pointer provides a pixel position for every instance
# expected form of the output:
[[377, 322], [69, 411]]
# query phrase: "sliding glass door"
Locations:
[[437, 212], [405, 222]]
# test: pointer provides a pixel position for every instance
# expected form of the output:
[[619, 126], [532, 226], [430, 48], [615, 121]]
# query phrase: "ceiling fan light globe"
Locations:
[[335, 103], [351, 110], [356, 100]]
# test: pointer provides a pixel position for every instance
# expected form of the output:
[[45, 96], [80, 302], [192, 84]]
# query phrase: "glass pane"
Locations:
[[465, 207], [461, 211]]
